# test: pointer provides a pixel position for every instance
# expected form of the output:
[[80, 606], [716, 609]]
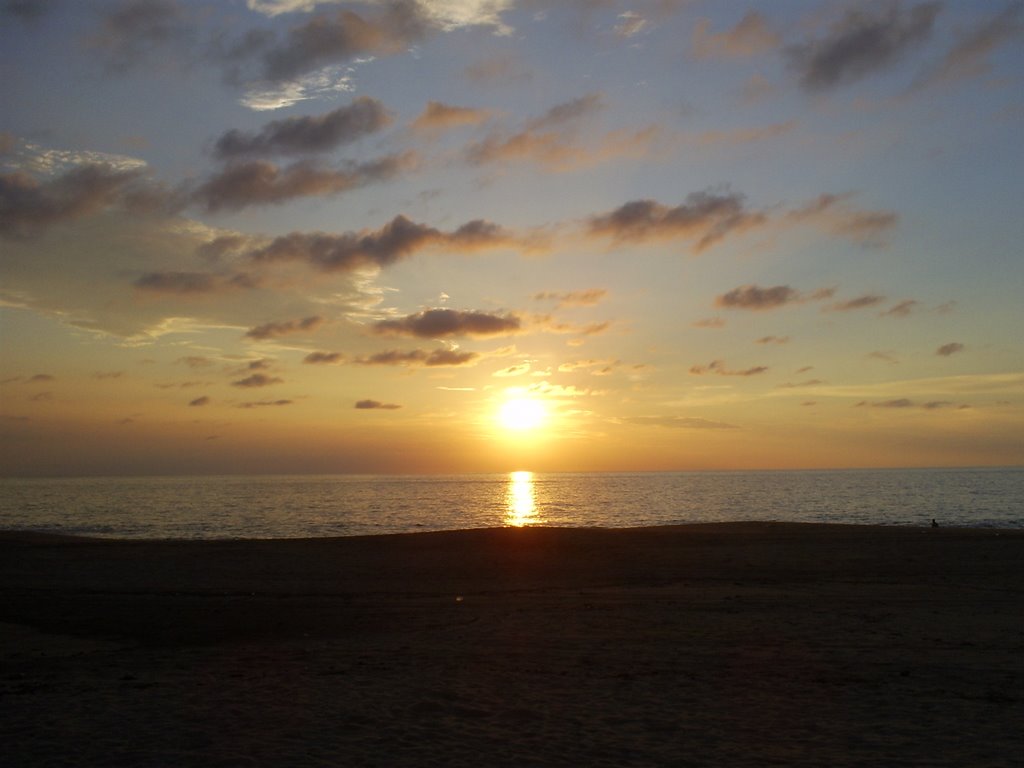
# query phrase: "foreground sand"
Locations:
[[710, 645]]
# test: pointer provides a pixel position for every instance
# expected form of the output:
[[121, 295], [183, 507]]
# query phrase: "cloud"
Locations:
[[751, 36], [586, 298], [718, 367], [705, 218], [830, 213], [265, 403], [549, 324], [969, 56], [366, 405], [308, 134], [437, 117], [26, 10], [802, 384], [773, 340], [709, 322], [396, 240], [323, 358], [289, 327], [678, 422], [521, 369], [863, 41], [898, 403], [28, 205], [630, 24], [190, 283], [498, 70], [257, 380], [861, 302], [902, 309], [331, 39], [441, 323], [758, 298], [432, 359], [41, 377], [552, 141], [885, 357], [259, 182], [200, 401], [138, 30], [949, 349]]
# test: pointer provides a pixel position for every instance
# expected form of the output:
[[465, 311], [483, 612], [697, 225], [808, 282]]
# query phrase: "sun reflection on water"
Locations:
[[521, 505]]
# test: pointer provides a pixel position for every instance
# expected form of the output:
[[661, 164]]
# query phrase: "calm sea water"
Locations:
[[346, 505]]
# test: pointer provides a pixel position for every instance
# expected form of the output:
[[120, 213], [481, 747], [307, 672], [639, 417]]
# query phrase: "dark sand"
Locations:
[[710, 645]]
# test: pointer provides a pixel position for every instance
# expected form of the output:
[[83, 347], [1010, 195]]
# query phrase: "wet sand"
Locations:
[[744, 644]]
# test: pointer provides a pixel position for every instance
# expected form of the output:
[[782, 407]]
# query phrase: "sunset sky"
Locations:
[[285, 236]]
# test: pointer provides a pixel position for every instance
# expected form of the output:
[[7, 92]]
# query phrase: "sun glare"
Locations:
[[522, 414]]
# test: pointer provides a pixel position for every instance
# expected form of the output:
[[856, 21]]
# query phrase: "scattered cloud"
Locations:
[[949, 349], [718, 367], [309, 134], [751, 36], [27, 205], [901, 309], [442, 323], [861, 302], [969, 57], [432, 359], [705, 218], [245, 183], [200, 401], [757, 298], [437, 117], [368, 405], [630, 24], [832, 214], [519, 369], [905, 403], [396, 240], [186, 283], [587, 298], [257, 380], [885, 357], [323, 358], [286, 328], [135, 31], [773, 340], [265, 403], [709, 322], [41, 377], [678, 422], [867, 39]]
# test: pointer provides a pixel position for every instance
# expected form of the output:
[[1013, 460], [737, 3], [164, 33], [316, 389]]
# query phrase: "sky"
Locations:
[[442, 236]]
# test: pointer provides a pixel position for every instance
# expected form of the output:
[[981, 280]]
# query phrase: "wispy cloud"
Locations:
[[444, 323], [969, 56], [951, 348], [246, 183], [257, 380], [864, 41], [750, 36], [438, 116], [586, 298], [369, 405], [719, 368], [432, 359], [704, 219], [678, 422], [286, 328], [309, 134]]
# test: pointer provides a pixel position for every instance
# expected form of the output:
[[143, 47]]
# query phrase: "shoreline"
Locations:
[[719, 643]]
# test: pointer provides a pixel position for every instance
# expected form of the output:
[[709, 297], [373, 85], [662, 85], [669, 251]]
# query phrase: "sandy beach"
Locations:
[[707, 645]]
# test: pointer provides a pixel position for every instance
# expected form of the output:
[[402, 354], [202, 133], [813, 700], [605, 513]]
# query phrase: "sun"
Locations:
[[522, 414]]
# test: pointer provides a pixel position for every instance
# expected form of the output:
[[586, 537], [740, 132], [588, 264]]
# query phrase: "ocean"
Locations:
[[353, 505]]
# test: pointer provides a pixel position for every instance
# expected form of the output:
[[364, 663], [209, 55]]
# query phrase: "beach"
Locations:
[[739, 644]]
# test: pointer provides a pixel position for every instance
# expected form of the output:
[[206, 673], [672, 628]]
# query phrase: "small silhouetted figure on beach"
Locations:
[[934, 524]]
